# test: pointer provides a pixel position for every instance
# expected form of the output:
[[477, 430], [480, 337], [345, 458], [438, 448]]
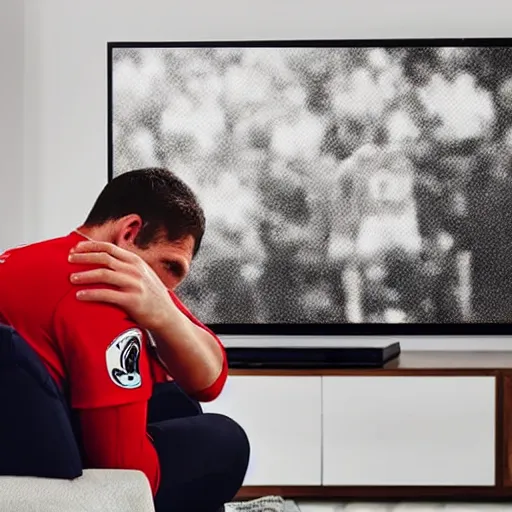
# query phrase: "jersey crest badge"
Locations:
[[122, 357]]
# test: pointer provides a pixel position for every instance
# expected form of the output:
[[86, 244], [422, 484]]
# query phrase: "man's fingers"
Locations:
[[96, 258], [102, 295], [102, 276], [105, 247]]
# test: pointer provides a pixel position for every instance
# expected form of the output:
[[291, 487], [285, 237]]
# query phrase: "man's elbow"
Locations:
[[212, 392]]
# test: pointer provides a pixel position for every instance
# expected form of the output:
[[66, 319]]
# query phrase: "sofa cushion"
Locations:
[[36, 434]]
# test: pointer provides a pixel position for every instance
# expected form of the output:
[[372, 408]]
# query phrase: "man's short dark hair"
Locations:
[[166, 205]]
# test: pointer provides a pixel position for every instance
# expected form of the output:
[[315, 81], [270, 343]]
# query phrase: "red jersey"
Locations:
[[102, 357]]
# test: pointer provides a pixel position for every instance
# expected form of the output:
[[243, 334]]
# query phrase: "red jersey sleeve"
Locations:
[[116, 438], [105, 354], [213, 391]]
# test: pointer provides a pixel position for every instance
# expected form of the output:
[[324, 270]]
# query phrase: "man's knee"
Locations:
[[232, 441], [203, 461]]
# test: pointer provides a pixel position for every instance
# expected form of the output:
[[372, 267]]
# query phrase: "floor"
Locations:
[[401, 507], [277, 504]]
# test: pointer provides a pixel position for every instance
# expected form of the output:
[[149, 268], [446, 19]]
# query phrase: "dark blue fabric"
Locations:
[[203, 457], [36, 434]]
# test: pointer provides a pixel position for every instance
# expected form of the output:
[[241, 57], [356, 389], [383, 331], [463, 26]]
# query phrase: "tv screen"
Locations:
[[349, 187]]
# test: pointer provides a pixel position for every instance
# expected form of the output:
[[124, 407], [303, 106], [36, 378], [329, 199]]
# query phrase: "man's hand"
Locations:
[[192, 355], [137, 289]]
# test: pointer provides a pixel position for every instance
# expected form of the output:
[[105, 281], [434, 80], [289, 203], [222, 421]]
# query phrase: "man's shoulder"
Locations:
[[34, 279], [43, 264], [53, 247]]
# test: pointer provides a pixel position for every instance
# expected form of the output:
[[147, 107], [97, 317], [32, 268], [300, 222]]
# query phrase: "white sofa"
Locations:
[[97, 490]]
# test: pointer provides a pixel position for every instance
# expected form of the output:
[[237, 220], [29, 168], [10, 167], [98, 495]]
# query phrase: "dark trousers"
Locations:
[[203, 457]]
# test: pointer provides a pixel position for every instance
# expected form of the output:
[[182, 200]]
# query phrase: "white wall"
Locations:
[[64, 115], [11, 123]]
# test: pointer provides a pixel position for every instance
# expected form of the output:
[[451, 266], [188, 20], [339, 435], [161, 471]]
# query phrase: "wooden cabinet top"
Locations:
[[413, 363]]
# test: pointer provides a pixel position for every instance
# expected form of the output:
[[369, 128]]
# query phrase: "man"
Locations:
[[98, 307], [375, 218]]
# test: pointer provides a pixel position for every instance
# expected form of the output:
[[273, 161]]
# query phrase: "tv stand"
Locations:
[[427, 425]]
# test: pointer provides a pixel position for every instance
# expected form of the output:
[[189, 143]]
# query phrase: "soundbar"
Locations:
[[311, 357]]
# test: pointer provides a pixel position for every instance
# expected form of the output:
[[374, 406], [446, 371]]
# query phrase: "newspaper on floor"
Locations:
[[265, 504]]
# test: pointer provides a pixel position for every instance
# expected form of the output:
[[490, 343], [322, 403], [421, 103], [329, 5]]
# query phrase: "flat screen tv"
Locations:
[[350, 187]]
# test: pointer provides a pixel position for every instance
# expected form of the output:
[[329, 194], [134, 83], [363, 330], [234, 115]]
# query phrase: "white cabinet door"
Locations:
[[409, 431], [282, 418]]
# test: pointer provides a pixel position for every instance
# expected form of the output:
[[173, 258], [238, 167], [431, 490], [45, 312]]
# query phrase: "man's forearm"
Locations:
[[191, 354]]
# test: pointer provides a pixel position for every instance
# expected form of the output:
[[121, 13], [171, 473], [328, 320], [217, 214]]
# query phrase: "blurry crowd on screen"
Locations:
[[340, 185]]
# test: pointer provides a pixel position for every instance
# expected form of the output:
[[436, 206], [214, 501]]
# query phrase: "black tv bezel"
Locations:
[[417, 329]]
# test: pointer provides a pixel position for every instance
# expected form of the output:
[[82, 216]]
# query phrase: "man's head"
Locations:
[[153, 213]]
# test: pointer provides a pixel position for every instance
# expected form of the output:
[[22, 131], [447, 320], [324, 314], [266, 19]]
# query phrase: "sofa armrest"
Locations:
[[98, 490]]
